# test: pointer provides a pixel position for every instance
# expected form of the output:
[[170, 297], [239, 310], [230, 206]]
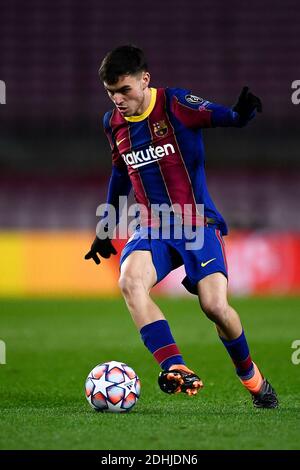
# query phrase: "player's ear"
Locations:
[[145, 79]]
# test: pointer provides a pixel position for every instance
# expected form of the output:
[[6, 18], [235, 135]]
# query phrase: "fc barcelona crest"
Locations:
[[160, 128]]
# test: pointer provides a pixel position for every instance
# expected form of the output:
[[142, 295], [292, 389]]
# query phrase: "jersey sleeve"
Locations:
[[117, 160], [196, 112], [119, 183]]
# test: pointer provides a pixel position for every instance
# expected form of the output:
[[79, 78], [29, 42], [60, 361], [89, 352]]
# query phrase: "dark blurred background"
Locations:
[[54, 159]]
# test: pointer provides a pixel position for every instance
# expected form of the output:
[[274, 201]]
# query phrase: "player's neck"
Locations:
[[145, 103]]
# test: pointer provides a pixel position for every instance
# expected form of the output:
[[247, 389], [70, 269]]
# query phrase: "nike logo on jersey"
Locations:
[[206, 262], [143, 157], [120, 141]]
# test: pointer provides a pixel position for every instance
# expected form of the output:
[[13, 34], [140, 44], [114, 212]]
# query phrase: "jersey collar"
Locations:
[[149, 110]]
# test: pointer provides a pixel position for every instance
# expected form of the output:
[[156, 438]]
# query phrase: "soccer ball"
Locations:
[[112, 386]]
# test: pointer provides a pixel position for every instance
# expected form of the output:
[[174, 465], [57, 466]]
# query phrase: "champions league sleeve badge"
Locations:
[[193, 99]]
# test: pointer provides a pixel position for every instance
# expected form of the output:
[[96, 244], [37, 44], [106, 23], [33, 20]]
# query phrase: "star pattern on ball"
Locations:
[[101, 385], [113, 364]]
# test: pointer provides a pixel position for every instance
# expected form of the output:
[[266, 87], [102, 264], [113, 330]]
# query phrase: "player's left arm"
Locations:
[[195, 112]]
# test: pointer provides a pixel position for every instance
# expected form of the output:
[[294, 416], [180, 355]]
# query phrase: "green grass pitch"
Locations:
[[51, 345]]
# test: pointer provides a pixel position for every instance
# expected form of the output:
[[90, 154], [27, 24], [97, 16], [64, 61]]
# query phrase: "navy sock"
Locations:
[[239, 352], [158, 338]]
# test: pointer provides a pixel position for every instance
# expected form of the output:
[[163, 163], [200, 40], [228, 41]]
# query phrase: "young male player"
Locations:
[[157, 149]]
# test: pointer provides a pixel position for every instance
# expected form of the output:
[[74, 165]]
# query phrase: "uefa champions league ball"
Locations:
[[112, 386]]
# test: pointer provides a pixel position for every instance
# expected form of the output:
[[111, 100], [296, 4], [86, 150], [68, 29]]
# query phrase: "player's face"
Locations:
[[130, 93]]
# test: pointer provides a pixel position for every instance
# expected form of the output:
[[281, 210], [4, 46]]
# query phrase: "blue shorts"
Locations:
[[169, 254]]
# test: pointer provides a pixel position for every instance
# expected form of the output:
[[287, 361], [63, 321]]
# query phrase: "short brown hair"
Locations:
[[123, 60]]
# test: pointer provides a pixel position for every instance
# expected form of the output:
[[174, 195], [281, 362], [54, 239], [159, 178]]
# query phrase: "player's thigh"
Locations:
[[212, 292], [200, 264], [139, 266]]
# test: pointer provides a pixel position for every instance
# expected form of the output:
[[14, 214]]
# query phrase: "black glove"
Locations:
[[247, 103], [104, 247]]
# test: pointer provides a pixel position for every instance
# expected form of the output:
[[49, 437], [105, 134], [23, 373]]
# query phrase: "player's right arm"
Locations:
[[119, 185]]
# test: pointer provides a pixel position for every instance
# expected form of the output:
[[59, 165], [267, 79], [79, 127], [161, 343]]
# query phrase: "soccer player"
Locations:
[[157, 149]]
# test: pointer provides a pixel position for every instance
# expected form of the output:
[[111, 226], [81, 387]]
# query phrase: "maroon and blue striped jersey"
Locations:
[[161, 153]]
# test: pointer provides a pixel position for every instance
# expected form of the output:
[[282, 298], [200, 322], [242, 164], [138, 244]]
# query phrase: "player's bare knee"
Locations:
[[130, 284], [216, 310]]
